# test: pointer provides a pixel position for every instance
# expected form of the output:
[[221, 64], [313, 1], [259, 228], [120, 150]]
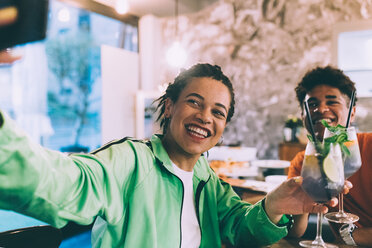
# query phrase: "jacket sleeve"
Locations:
[[57, 188], [243, 224]]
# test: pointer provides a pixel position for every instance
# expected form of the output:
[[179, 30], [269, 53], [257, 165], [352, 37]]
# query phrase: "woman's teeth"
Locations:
[[198, 131]]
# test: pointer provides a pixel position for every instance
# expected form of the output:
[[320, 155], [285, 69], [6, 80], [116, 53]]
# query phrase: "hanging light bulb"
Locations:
[[64, 15], [122, 6], [176, 55]]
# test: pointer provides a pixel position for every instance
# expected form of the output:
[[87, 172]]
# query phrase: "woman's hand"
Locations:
[[289, 198]]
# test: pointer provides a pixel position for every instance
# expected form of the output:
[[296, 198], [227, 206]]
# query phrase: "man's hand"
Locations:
[[347, 186], [289, 198], [300, 221]]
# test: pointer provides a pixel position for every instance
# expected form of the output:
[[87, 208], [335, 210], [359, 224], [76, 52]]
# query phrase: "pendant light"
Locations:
[[176, 55], [122, 6]]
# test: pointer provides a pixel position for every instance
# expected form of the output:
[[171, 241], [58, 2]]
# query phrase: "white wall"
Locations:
[[124, 74], [120, 82], [149, 46]]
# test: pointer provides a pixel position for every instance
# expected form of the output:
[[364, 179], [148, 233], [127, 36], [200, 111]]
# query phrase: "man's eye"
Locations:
[[313, 104]]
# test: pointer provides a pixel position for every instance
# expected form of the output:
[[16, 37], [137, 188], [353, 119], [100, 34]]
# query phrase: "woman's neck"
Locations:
[[178, 156]]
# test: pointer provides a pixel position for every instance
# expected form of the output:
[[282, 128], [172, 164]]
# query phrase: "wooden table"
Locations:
[[289, 243], [294, 243]]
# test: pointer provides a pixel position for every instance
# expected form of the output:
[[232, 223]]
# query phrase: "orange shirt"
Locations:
[[359, 199]]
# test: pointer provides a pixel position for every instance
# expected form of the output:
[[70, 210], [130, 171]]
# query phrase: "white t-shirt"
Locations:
[[190, 229]]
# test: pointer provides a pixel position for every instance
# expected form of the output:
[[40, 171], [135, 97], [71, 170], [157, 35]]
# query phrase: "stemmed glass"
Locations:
[[352, 163], [323, 178]]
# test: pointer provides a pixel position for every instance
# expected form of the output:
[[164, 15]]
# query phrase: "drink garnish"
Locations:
[[340, 137], [327, 163], [330, 169]]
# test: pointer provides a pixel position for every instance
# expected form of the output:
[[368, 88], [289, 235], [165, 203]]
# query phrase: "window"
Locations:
[[54, 92], [353, 53]]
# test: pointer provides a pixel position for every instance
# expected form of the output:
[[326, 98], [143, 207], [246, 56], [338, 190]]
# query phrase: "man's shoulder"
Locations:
[[298, 159], [299, 156], [365, 139], [296, 164], [365, 135]]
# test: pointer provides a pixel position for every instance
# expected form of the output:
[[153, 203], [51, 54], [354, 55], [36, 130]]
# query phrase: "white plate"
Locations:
[[271, 164], [227, 153], [242, 172], [277, 179], [259, 185]]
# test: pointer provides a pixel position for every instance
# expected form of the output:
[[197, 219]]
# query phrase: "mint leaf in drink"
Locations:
[[337, 129], [345, 150], [340, 137], [318, 145], [325, 123]]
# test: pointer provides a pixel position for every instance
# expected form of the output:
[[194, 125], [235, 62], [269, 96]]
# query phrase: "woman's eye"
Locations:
[[219, 113], [194, 102]]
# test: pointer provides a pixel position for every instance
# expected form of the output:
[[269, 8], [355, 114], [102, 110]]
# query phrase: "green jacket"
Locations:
[[130, 188]]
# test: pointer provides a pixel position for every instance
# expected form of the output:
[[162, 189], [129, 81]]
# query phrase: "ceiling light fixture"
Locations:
[[64, 15], [176, 55], [122, 6]]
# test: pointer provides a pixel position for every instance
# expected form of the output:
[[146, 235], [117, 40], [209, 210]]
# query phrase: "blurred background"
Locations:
[[94, 77]]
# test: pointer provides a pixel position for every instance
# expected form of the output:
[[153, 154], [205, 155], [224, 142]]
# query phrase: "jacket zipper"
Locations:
[[183, 194], [197, 201]]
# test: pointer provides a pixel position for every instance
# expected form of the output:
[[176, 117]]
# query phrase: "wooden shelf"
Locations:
[[288, 150]]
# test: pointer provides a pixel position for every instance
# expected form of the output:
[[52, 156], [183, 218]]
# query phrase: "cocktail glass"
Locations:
[[352, 163], [323, 178]]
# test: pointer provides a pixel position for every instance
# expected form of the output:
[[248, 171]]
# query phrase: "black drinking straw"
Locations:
[[352, 100], [308, 117]]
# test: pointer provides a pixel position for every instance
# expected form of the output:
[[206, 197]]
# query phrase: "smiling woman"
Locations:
[[194, 112], [197, 119]]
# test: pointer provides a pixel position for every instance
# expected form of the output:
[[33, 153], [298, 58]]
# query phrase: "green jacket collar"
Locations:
[[200, 169]]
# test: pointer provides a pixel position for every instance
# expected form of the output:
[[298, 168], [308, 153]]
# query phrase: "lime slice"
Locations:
[[330, 169]]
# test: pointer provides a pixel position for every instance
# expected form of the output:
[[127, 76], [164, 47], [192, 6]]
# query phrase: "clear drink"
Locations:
[[323, 178], [352, 163]]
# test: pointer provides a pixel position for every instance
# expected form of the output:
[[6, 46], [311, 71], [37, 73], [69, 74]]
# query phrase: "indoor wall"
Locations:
[[265, 46]]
